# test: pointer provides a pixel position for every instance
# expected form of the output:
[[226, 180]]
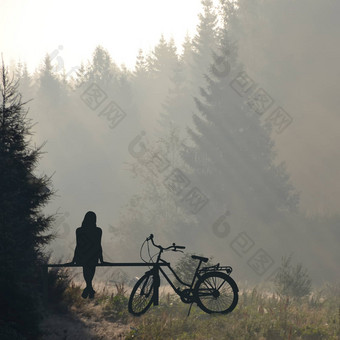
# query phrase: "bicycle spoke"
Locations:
[[223, 282], [215, 281], [206, 283], [140, 303]]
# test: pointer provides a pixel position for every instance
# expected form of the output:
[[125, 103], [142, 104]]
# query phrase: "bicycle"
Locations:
[[211, 288]]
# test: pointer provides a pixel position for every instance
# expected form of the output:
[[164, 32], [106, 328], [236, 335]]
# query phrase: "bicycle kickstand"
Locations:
[[189, 309]]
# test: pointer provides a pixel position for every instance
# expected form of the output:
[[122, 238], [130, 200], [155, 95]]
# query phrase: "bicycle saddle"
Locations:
[[201, 258]]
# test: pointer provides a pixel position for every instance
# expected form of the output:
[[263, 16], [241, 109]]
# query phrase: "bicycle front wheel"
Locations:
[[216, 292], [142, 294]]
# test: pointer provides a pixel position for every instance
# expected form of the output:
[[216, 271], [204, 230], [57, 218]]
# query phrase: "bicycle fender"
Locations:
[[228, 278]]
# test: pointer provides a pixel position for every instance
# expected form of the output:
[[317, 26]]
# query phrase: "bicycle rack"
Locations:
[[217, 267]]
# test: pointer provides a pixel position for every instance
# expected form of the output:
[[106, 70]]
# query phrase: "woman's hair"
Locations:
[[89, 220]]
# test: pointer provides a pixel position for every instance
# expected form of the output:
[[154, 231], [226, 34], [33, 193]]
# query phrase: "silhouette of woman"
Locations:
[[88, 250]]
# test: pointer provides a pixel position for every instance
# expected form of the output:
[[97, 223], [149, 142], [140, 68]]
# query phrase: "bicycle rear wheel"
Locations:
[[142, 294], [216, 292]]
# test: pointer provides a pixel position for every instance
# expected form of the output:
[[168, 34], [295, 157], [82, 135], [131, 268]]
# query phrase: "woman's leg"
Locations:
[[88, 272]]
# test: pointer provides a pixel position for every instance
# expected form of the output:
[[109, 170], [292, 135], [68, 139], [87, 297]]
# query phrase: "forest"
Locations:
[[190, 145]]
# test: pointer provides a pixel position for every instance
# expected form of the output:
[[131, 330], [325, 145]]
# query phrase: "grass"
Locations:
[[258, 315]]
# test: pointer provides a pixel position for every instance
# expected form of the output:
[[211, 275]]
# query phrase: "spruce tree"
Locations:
[[81, 76], [178, 105], [204, 43], [50, 91], [25, 85], [189, 73], [102, 70], [162, 60], [233, 158], [160, 65], [23, 226]]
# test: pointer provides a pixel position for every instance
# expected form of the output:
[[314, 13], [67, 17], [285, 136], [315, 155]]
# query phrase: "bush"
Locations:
[[186, 266], [72, 296], [59, 280], [9, 333], [116, 308], [292, 281]]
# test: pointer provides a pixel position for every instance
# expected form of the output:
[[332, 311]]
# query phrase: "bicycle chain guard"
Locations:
[[186, 297]]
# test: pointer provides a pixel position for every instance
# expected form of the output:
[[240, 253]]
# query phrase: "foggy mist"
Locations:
[[228, 146]]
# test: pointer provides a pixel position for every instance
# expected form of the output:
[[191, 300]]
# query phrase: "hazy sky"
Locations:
[[30, 29]]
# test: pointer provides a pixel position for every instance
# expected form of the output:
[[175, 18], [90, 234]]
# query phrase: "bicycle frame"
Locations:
[[207, 285], [155, 272]]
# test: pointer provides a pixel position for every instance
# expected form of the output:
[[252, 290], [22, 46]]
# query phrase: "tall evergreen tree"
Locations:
[[50, 90], [115, 81], [102, 70], [189, 73], [172, 114], [141, 77], [81, 76], [141, 87], [176, 106], [160, 65], [23, 226], [204, 43], [187, 61], [51, 100], [162, 60], [25, 83], [233, 157], [141, 66], [124, 93]]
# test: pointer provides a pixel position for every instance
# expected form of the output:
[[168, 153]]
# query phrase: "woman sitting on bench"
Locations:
[[88, 250]]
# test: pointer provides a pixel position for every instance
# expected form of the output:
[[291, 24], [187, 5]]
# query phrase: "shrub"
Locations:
[[292, 281], [116, 308], [59, 280], [186, 266]]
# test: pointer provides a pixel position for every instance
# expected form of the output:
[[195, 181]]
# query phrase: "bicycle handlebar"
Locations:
[[174, 246]]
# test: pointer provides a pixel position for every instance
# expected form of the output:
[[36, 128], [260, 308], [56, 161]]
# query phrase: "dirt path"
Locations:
[[88, 321], [83, 326]]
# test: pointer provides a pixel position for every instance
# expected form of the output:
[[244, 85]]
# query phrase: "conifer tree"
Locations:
[[23, 226], [102, 70], [162, 60], [50, 91], [152, 87], [204, 43], [81, 76], [141, 64], [25, 84], [189, 73], [233, 157]]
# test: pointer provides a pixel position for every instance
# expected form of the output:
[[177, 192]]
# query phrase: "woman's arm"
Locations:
[[100, 247]]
